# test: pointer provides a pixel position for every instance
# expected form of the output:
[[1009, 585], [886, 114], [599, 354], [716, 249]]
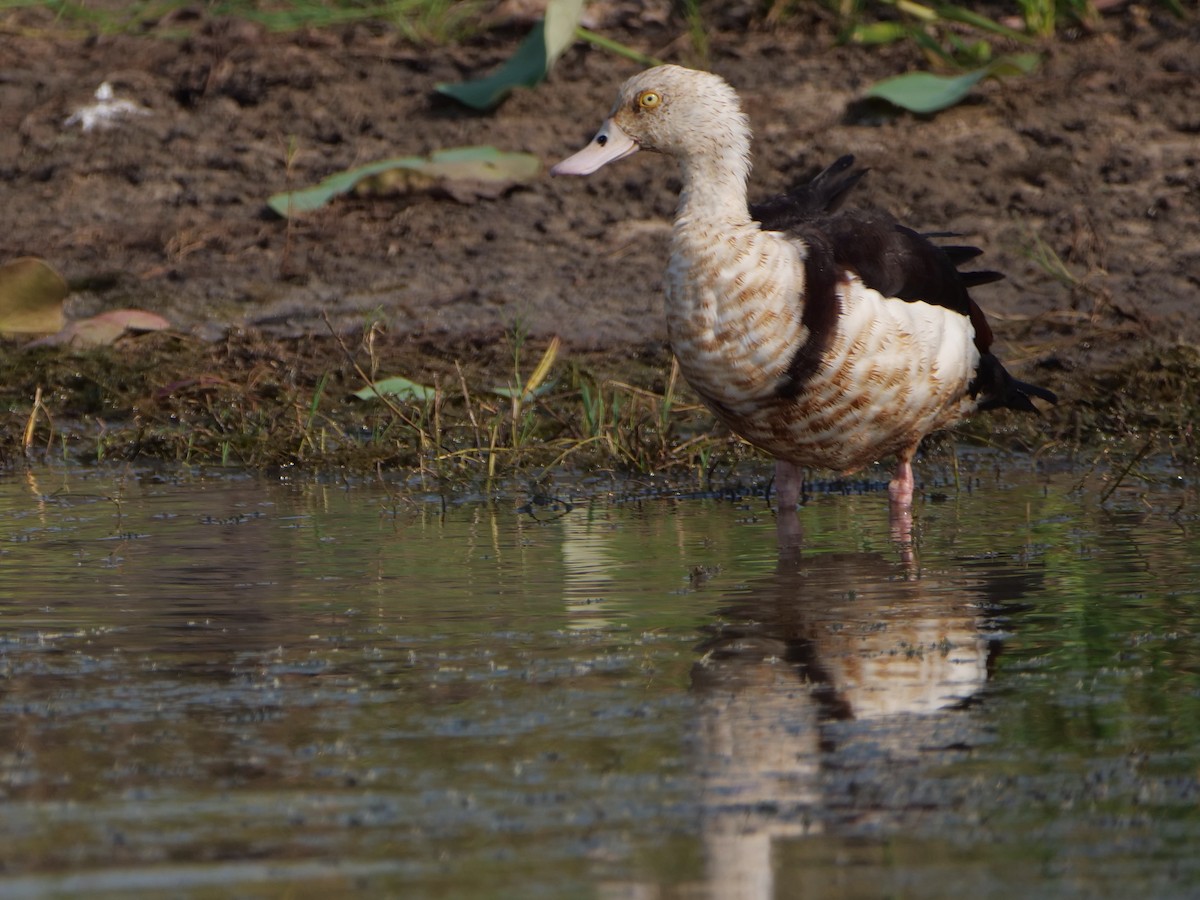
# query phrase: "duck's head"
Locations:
[[678, 111]]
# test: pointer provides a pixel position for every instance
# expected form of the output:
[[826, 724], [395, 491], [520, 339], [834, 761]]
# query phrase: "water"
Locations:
[[233, 687]]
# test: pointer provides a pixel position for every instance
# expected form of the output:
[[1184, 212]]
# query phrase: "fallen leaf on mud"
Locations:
[[104, 329], [31, 297], [924, 92], [396, 386], [461, 173], [525, 68], [529, 64]]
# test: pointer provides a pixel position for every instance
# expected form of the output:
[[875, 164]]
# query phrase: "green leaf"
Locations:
[[529, 64], [396, 386], [525, 68], [308, 199], [879, 33], [460, 164], [1015, 64], [31, 297], [481, 164], [978, 53], [924, 92]]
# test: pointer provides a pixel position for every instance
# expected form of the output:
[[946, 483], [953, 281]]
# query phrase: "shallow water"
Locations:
[[215, 687]]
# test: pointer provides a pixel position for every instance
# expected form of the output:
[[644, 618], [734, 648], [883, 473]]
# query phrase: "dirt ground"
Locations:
[[1094, 161]]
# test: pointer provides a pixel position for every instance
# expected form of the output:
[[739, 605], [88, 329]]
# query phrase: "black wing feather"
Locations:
[[958, 253], [821, 196]]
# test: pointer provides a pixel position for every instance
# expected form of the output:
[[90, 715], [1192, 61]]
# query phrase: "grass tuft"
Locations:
[[254, 402], [421, 21]]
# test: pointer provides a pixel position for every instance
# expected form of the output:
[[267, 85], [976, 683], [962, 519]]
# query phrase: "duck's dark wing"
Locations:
[[822, 195], [889, 258]]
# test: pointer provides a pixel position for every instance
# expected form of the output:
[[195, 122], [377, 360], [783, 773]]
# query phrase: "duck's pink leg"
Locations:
[[900, 494], [900, 488], [789, 485]]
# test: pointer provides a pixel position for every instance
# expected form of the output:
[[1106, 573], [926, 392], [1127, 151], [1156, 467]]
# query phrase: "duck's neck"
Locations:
[[714, 184], [733, 291]]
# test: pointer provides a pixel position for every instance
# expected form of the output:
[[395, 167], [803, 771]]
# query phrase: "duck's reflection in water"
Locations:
[[825, 638]]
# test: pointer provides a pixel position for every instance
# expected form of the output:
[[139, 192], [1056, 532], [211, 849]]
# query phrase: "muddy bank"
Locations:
[[1082, 183]]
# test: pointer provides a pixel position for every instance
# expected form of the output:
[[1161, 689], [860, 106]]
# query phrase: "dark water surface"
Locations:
[[231, 687]]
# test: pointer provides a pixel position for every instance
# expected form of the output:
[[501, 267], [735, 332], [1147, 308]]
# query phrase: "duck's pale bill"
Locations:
[[609, 145]]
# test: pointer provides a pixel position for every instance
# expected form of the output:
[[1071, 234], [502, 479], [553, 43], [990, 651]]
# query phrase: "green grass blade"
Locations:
[[599, 40], [983, 23], [933, 49]]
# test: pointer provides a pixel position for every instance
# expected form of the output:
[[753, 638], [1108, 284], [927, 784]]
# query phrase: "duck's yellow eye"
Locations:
[[649, 99]]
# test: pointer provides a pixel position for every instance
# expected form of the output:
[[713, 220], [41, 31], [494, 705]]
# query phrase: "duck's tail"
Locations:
[[997, 389]]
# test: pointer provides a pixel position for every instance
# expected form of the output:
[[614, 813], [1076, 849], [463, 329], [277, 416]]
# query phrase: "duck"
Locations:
[[828, 337]]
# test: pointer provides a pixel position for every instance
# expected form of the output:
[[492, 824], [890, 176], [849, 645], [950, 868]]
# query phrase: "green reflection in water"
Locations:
[[220, 684]]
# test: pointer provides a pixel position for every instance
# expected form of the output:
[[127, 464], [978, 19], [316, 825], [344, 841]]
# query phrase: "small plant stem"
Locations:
[[1137, 458], [392, 407], [306, 430], [598, 40], [467, 403], [31, 422]]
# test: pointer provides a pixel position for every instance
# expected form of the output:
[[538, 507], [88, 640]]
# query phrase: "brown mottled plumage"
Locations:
[[825, 338]]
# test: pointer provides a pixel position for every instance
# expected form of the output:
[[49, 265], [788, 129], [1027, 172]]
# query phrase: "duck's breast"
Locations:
[[733, 311]]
